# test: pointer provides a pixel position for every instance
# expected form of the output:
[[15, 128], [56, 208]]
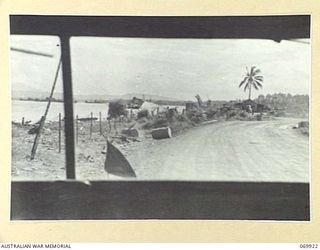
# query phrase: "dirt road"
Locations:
[[228, 151]]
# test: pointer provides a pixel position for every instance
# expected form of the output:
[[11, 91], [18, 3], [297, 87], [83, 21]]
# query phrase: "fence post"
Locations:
[[110, 127], [22, 122], [100, 123], [59, 132], [115, 125], [91, 120], [77, 129], [37, 138]]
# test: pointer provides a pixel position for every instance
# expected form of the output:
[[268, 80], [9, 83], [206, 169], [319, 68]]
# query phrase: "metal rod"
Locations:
[[68, 107], [30, 52]]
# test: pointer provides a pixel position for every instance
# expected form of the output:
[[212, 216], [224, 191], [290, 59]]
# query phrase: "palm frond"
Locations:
[[258, 83], [252, 79], [243, 81], [256, 72], [260, 78], [255, 85], [247, 86], [252, 70]]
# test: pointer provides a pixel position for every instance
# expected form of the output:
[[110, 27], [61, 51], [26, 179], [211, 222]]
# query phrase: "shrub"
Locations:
[[116, 109], [259, 117], [231, 114], [157, 122], [243, 114], [304, 131], [160, 122], [211, 113], [171, 114], [195, 115], [182, 118], [142, 114], [147, 125], [303, 124]]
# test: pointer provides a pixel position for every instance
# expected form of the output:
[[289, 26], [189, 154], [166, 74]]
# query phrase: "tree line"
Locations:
[[288, 102]]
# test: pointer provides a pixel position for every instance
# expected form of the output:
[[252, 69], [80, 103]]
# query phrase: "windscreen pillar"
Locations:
[[68, 107]]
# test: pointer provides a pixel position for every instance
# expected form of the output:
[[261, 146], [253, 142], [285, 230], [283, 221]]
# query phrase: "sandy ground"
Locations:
[[224, 151]]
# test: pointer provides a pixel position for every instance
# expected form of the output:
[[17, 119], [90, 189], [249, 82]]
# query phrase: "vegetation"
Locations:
[[116, 109], [252, 79], [41, 99], [169, 103], [304, 127], [142, 114], [95, 101], [286, 103]]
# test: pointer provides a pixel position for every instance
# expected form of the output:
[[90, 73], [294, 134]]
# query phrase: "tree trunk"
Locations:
[[250, 92]]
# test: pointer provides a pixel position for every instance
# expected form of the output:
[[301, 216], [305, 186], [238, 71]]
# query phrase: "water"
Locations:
[[32, 111]]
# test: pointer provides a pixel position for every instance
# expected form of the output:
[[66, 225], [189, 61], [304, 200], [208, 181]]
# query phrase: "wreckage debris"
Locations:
[[130, 132], [161, 133], [88, 119]]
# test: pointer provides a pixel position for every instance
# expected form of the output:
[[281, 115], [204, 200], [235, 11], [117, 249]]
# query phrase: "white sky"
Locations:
[[178, 68]]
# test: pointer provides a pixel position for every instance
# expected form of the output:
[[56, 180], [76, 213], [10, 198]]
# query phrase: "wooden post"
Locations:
[[77, 129], [110, 127], [59, 132], [100, 123], [115, 125], [91, 120], [43, 118], [37, 138], [22, 122]]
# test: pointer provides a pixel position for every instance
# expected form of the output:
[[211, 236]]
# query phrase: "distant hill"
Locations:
[[124, 97], [43, 95], [148, 97], [34, 94]]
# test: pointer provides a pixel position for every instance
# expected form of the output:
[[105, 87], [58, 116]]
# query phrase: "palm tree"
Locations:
[[252, 78]]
